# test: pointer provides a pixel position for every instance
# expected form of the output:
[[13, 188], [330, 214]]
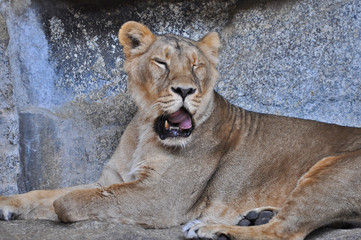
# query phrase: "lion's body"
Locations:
[[215, 162]]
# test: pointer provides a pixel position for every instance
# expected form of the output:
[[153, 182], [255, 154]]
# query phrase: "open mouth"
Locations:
[[177, 124]]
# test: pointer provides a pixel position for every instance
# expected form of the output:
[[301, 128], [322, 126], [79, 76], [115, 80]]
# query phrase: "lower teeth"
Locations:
[[174, 128]]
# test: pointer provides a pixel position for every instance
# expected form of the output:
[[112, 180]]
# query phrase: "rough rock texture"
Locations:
[[92, 230], [63, 95], [46, 230], [67, 125], [9, 132]]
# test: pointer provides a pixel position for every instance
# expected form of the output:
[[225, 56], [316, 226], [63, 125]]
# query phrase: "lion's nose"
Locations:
[[183, 92]]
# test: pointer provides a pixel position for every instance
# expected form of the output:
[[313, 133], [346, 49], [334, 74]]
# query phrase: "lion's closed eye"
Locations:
[[197, 66], [160, 63], [199, 70]]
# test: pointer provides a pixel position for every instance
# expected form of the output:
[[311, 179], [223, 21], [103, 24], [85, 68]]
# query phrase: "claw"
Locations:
[[188, 231], [6, 215]]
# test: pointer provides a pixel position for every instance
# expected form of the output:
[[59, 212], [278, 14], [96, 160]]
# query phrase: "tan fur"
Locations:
[[233, 161]]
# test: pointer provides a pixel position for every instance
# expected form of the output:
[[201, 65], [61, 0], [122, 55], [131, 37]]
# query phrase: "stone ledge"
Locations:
[[46, 230]]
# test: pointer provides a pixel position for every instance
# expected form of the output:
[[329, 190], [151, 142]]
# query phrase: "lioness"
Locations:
[[189, 154]]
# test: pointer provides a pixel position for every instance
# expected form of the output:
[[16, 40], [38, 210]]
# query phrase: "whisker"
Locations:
[[194, 105], [196, 100], [162, 105], [165, 102], [164, 96]]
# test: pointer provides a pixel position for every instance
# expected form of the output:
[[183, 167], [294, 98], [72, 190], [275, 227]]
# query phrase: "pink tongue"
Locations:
[[181, 117]]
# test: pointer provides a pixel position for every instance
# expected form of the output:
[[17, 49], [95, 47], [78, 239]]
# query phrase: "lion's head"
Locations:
[[171, 79]]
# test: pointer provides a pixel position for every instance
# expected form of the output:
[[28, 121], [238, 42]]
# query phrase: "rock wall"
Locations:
[[63, 95], [9, 131]]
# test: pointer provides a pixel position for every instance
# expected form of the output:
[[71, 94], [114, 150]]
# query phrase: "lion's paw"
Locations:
[[257, 216], [190, 229], [197, 230], [8, 210], [7, 214]]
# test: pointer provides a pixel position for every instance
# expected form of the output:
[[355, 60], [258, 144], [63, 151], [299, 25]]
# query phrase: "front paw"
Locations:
[[8, 209], [197, 230], [7, 214]]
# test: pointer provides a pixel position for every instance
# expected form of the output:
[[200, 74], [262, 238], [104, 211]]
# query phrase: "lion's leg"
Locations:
[[140, 202], [329, 192], [37, 204]]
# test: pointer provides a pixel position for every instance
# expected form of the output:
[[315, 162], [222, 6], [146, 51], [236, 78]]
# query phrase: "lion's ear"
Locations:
[[210, 44], [135, 38]]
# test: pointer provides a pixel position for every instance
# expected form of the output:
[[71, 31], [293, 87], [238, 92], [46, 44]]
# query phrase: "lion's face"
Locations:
[[171, 79]]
